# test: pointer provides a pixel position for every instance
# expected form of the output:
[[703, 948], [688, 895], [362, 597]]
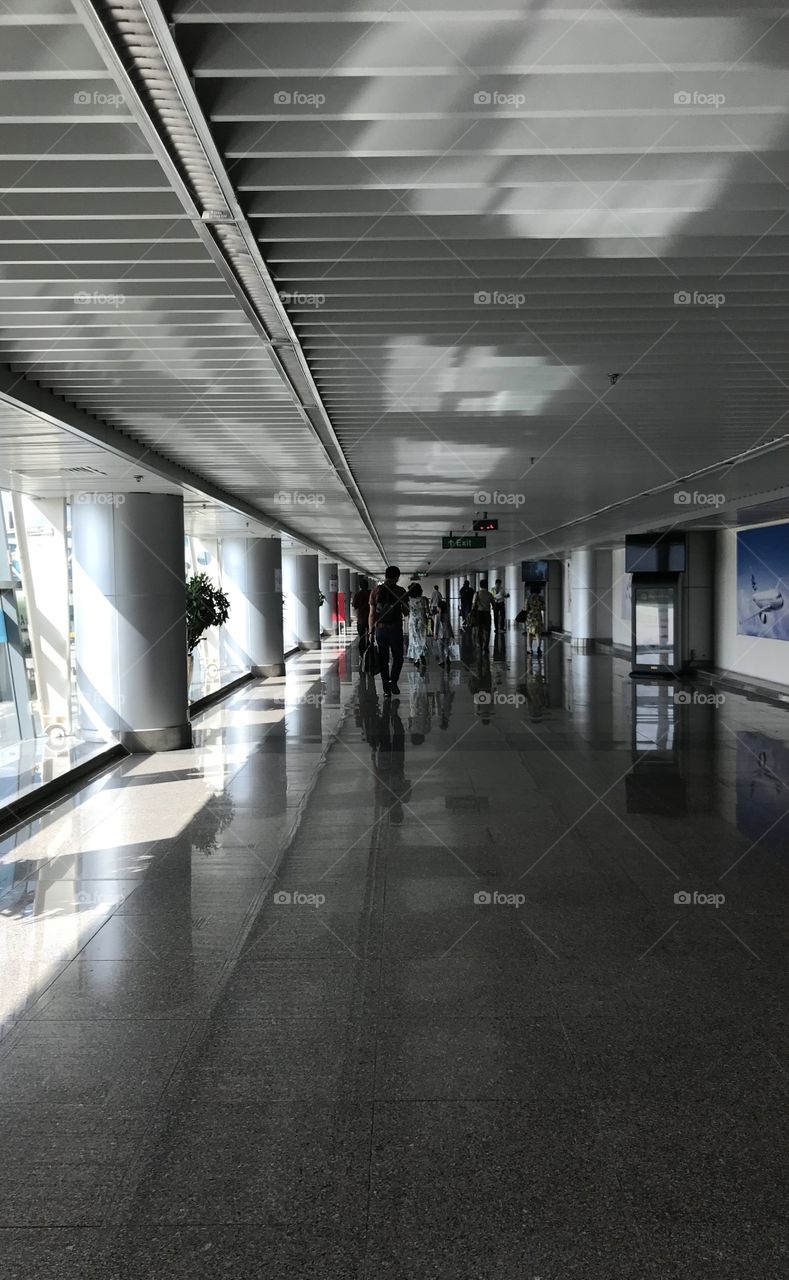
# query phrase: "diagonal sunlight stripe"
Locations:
[[598, 200], [406, 407]]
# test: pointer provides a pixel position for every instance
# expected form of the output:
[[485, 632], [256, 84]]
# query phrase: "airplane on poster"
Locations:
[[766, 601]]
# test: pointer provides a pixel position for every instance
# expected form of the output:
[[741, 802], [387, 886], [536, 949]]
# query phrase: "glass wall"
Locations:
[[215, 661]]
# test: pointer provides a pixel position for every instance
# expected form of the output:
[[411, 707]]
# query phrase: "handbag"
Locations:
[[370, 664], [454, 652]]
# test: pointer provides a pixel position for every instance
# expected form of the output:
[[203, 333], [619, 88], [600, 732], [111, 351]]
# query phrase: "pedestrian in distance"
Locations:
[[481, 612], [361, 606], [466, 601], [535, 619], [418, 621], [388, 607]]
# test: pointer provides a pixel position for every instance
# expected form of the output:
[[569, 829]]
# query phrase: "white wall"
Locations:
[[620, 599], [746, 655]]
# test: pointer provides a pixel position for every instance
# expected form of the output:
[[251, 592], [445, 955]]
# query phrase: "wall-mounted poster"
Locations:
[[763, 582]]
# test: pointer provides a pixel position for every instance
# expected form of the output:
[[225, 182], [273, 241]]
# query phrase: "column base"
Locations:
[[269, 669], [308, 645], [177, 738], [583, 646]]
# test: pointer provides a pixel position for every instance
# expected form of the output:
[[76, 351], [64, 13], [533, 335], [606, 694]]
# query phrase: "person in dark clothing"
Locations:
[[388, 607], [361, 605], [466, 599]]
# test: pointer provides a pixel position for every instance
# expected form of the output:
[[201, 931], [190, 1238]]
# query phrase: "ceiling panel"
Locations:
[[114, 299], [532, 259], [538, 254]]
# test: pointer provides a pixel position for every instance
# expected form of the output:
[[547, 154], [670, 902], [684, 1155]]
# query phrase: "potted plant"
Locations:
[[206, 606]]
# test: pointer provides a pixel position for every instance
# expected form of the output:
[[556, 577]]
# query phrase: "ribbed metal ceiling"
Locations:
[[439, 232], [115, 297], [397, 162]]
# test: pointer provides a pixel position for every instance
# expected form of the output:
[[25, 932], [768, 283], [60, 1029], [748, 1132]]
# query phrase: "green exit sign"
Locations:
[[466, 542]]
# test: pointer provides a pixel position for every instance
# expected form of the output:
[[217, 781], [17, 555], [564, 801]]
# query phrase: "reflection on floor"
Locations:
[[486, 982]]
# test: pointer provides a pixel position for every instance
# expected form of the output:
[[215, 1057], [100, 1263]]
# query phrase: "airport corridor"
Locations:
[[488, 981]]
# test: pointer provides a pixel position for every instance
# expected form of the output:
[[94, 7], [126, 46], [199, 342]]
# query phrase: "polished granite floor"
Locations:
[[408, 992]]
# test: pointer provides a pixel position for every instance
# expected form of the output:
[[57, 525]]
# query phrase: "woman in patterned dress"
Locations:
[[418, 616]]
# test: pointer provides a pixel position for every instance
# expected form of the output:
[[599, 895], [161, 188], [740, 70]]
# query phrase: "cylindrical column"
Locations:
[[344, 589], [252, 577], [327, 581], [305, 610], [515, 592], [130, 620], [582, 597], [354, 583]]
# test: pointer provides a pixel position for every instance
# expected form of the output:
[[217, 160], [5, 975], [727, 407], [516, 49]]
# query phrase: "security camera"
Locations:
[[613, 378], [139, 479]]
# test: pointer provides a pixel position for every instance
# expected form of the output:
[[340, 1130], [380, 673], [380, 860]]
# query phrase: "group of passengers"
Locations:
[[380, 612]]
